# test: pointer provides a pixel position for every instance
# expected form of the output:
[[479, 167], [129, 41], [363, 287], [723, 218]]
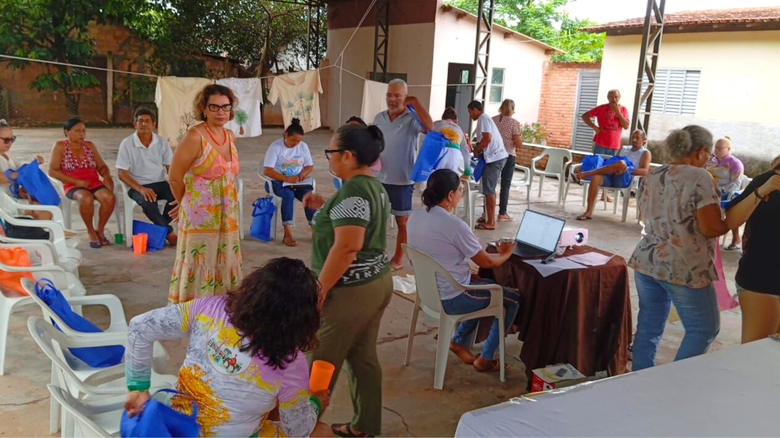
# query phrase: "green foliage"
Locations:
[[533, 133], [56, 30], [547, 21]]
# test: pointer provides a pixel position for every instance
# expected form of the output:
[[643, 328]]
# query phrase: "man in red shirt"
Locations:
[[612, 120]]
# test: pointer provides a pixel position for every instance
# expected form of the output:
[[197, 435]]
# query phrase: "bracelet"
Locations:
[[760, 198], [316, 404]]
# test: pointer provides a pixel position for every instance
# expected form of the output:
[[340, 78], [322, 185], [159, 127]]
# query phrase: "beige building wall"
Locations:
[[411, 52], [523, 63], [738, 92]]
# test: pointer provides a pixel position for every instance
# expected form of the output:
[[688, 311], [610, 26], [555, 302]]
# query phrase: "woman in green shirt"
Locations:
[[349, 256]]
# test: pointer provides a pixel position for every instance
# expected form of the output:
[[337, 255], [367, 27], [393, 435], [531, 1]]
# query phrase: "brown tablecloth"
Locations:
[[578, 316]]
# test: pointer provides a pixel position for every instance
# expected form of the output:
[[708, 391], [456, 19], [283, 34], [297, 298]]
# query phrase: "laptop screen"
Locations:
[[540, 231]]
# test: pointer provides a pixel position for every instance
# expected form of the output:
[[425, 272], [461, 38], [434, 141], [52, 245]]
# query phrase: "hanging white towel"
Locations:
[[249, 92], [374, 100], [175, 99], [300, 97]]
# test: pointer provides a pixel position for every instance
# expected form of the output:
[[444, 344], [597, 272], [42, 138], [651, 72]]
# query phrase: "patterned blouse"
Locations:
[[234, 391], [508, 127], [672, 248]]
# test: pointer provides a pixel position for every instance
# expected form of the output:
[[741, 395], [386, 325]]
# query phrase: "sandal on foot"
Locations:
[[104, 241], [95, 244], [582, 217], [576, 178], [732, 247], [484, 227], [481, 220], [336, 428], [506, 218], [495, 365], [289, 241]]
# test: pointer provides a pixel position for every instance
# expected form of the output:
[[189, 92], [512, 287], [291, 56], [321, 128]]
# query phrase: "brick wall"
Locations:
[[559, 99], [129, 53]]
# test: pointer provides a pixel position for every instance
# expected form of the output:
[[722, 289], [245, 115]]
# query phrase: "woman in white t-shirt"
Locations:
[[288, 162], [7, 139], [437, 232]]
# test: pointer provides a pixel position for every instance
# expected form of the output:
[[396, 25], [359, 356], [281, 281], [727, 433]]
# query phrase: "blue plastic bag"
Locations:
[[160, 420], [98, 357], [262, 216], [430, 155], [479, 168], [35, 182], [622, 180], [156, 234], [591, 162]]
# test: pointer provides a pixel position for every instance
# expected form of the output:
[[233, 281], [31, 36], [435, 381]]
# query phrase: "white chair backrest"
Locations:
[[425, 270], [744, 183], [29, 287], [82, 411], [557, 159]]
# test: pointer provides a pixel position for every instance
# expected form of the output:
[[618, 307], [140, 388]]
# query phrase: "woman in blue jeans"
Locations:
[[434, 230], [673, 262], [288, 162]]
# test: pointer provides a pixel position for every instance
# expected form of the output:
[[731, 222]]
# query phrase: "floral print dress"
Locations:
[[208, 260]]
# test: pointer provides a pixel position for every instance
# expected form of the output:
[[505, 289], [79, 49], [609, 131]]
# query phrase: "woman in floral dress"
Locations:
[[203, 179]]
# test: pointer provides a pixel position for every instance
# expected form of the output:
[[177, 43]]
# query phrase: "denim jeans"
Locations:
[[601, 150], [473, 300], [289, 194], [506, 183], [698, 309]]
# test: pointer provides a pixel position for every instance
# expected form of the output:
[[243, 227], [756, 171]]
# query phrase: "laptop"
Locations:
[[538, 235]]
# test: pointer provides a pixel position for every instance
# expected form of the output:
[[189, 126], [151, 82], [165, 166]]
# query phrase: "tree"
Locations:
[[56, 30], [262, 34], [545, 20]]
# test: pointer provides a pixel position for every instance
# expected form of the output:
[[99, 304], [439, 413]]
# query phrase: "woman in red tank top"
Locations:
[[85, 177]]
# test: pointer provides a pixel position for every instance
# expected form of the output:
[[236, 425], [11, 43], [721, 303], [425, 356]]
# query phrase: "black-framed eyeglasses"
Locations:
[[215, 108], [333, 151], [8, 140]]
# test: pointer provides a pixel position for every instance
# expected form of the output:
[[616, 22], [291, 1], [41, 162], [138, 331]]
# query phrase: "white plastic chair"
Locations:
[[557, 162], [67, 206], [525, 182], [16, 208], [277, 200], [429, 301], [624, 193], [41, 258], [101, 418], [128, 207], [471, 194]]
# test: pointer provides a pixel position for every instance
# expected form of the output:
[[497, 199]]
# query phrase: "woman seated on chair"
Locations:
[[7, 139], [288, 163], [245, 354], [437, 232], [85, 177]]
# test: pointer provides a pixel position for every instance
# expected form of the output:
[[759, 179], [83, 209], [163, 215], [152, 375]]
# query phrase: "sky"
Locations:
[[604, 11]]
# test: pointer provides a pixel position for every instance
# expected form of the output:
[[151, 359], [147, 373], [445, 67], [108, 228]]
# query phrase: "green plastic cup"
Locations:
[[119, 238]]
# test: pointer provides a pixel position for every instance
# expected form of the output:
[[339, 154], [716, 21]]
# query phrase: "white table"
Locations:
[[732, 392]]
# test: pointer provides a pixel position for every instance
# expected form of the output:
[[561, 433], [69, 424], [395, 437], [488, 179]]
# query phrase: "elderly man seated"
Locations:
[[639, 156], [143, 161]]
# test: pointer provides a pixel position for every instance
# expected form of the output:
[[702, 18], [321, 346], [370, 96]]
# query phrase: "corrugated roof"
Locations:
[[742, 16]]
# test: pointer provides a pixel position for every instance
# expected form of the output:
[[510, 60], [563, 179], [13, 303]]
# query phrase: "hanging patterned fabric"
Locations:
[[247, 121], [175, 98], [300, 97], [374, 100]]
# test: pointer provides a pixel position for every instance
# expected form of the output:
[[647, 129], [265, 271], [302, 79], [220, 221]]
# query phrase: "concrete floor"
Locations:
[[412, 407]]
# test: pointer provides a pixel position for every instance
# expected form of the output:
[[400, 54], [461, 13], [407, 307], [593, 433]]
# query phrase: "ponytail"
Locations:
[[365, 142]]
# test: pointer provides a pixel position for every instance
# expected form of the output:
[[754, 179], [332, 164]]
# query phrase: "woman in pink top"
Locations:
[[86, 178]]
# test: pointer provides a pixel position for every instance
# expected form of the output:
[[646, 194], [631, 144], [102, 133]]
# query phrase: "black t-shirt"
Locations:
[[759, 263]]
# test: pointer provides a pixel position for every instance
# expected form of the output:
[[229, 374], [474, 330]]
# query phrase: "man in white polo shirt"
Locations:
[[491, 146], [143, 162]]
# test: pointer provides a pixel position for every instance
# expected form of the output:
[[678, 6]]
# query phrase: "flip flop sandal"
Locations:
[[481, 220], [576, 179], [484, 227], [336, 428], [495, 365], [506, 219], [289, 242], [732, 247], [104, 241], [95, 244], [582, 217]]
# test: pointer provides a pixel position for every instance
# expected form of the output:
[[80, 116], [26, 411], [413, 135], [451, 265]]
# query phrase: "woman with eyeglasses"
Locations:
[[7, 139], [353, 268], [85, 177], [203, 180]]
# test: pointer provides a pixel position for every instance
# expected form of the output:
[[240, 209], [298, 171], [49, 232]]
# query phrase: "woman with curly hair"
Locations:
[[203, 180], [245, 353]]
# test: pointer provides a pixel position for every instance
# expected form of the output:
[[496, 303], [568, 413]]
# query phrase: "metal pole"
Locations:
[[381, 40], [651, 35], [482, 48]]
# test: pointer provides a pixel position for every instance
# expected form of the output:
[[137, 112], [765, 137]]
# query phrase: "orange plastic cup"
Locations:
[[139, 243], [321, 373], [145, 241]]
